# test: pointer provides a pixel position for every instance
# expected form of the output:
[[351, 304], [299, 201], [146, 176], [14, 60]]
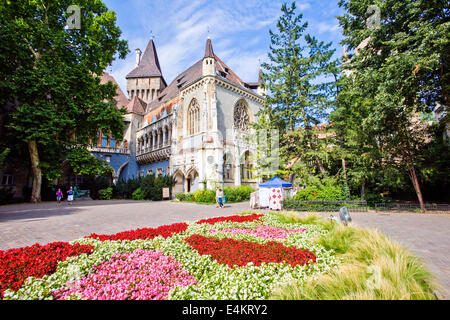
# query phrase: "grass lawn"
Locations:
[[248, 256]]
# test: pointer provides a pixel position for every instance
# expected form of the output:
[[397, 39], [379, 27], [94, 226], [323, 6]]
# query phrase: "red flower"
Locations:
[[16, 265], [144, 233], [236, 218], [233, 252]]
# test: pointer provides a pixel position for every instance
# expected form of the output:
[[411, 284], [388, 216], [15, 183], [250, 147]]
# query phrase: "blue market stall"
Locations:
[[272, 193]]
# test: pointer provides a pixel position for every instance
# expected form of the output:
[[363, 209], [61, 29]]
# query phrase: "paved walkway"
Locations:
[[25, 224]]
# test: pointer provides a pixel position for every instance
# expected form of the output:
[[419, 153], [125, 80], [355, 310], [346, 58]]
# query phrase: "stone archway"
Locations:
[[179, 186], [191, 181]]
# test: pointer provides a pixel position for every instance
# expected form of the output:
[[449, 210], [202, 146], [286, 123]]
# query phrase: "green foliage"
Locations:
[[3, 156], [84, 163], [320, 193], [400, 72], [233, 194], [181, 196], [138, 194], [299, 94], [50, 78], [373, 198], [205, 196], [95, 184], [105, 194], [150, 187], [238, 193], [189, 197]]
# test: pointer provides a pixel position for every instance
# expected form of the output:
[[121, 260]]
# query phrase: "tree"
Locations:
[[51, 78], [401, 65], [297, 98]]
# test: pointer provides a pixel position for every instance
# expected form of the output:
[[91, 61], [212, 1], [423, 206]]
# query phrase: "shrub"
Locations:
[[138, 194], [190, 197], [373, 198], [205, 196], [181, 196], [239, 193], [150, 185], [105, 194], [320, 193]]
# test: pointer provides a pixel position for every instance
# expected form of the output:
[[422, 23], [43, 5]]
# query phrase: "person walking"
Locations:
[[70, 196], [75, 192], [220, 198], [59, 195], [217, 197]]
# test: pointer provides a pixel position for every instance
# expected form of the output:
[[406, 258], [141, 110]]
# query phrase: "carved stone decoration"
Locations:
[[240, 115]]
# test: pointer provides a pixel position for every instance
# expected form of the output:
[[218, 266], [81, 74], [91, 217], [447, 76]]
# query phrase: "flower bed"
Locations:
[[16, 265], [235, 257], [144, 233], [139, 275], [267, 232], [237, 218], [240, 253]]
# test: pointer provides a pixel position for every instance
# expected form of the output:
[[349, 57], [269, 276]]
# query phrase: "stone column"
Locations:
[[164, 136], [155, 141], [237, 170]]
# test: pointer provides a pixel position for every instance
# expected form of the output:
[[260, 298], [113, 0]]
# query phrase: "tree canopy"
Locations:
[[50, 92]]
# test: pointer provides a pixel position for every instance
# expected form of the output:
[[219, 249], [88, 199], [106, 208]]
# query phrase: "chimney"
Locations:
[[138, 56]]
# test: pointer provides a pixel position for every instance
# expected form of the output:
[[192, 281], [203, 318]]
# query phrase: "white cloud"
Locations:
[[180, 29], [326, 27]]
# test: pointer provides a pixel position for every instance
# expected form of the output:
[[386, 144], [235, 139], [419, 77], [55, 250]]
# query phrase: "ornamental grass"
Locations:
[[375, 268]]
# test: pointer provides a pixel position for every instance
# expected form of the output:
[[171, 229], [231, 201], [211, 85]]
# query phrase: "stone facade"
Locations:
[[195, 128]]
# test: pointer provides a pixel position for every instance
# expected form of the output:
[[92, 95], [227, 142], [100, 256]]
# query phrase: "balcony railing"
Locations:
[[148, 155], [109, 150]]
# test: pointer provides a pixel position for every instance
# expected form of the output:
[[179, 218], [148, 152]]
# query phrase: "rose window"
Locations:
[[241, 118]]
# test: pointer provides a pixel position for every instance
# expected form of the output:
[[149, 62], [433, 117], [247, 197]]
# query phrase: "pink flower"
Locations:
[[267, 232], [137, 275]]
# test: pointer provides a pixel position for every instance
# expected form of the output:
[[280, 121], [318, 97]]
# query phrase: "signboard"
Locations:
[[165, 193]]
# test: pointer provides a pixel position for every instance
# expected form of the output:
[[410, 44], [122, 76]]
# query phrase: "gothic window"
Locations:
[[246, 167], [193, 118], [227, 166], [240, 115]]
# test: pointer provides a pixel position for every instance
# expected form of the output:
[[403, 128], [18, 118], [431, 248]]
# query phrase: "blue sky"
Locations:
[[239, 30]]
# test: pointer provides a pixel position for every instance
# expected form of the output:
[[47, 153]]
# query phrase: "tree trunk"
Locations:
[[344, 169], [415, 181], [363, 189], [321, 168], [37, 174]]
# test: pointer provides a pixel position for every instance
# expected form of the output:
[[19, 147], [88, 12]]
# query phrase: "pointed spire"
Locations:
[[148, 64], [209, 52]]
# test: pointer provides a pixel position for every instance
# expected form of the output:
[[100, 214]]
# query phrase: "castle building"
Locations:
[[195, 128]]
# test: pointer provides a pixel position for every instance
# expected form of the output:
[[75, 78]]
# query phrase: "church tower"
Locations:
[[146, 81], [209, 60]]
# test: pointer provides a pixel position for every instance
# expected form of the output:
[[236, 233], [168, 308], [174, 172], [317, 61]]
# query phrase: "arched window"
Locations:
[[227, 166], [246, 167], [240, 116], [193, 118]]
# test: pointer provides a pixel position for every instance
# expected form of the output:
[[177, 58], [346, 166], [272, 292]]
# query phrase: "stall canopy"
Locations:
[[275, 182]]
